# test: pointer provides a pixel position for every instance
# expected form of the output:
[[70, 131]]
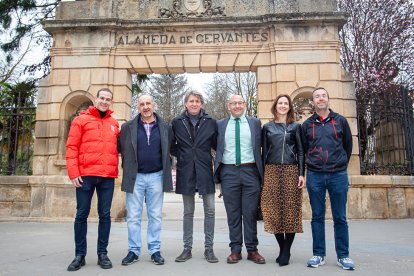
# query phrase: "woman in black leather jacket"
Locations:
[[284, 160]]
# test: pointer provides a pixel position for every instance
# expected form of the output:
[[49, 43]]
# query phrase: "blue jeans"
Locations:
[[337, 185], [188, 220], [148, 185], [104, 191]]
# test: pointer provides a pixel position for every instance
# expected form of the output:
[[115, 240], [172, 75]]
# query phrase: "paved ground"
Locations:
[[378, 247]]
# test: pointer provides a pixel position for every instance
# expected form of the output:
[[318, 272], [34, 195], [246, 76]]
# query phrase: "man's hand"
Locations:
[[76, 182], [301, 182]]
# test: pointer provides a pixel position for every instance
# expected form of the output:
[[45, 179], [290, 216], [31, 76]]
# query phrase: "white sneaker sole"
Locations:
[[343, 267], [315, 266]]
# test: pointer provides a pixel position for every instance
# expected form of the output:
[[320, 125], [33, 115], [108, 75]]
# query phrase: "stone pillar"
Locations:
[[302, 58], [71, 83]]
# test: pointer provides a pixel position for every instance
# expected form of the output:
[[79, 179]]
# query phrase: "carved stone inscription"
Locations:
[[196, 38]]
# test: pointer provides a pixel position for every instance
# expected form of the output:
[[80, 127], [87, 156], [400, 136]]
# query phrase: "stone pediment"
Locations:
[[191, 8], [187, 9]]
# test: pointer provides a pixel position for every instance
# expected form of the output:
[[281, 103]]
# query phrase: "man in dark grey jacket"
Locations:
[[144, 144]]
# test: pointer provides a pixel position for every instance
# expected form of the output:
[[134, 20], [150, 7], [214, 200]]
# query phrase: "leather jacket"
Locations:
[[282, 144]]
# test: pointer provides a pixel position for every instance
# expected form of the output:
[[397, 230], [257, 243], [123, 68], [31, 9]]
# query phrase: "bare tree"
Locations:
[[21, 35], [224, 85], [377, 43], [168, 91], [216, 100], [378, 50]]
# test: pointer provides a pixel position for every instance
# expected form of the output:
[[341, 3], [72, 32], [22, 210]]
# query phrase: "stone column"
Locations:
[[71, 83]]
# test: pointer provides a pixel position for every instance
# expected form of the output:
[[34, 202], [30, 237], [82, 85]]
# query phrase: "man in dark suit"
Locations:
[[239, 169], [144, 144]]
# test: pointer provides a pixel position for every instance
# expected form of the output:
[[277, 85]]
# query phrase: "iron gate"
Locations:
[[386, 132], [17, 121]]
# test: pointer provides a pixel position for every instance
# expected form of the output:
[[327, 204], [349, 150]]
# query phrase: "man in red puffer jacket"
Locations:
[[92, 163]]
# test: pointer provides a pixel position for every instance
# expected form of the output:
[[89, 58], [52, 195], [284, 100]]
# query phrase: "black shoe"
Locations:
[[130, 258], [210, 257], [184, 256], [104, 261], [77, 263], [157, 258]]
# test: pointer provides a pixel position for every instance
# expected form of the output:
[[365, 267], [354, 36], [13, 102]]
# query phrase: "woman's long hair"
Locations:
[[290, 116]]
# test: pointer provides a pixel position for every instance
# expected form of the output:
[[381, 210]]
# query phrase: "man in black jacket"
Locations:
[[328, 147], [144, 144], [194, 135]]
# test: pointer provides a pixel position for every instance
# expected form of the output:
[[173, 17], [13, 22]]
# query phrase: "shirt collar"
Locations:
[[151, 123], [242, 118]]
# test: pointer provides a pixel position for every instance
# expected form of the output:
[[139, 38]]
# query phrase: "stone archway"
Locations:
[[291, 45]]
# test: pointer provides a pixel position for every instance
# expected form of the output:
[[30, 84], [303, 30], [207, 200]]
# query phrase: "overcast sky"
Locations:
[[198, 81]]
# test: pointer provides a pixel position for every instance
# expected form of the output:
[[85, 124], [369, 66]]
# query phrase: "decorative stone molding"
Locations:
[[191, 8]]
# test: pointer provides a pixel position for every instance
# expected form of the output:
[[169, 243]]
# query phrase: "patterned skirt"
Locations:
[[281, 199]]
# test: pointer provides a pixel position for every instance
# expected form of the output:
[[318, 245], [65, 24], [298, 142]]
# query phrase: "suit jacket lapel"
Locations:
[[222, 129], [252, 132], [133, 128]]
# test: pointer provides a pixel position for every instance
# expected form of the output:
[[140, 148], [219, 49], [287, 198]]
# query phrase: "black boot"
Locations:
[[77, 263], [285, 257], [280, 240]]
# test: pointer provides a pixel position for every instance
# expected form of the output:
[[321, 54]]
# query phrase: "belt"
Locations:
[[242, 165]]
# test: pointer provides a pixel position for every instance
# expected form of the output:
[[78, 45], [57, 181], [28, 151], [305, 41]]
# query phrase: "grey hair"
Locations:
[[231, 96], [146, 95], [194, 93]]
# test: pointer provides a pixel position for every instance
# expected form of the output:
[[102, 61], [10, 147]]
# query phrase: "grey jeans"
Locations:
[[188, 220]]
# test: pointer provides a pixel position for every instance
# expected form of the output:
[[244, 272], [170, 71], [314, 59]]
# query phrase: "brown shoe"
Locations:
[[256, 257], [234, 257]]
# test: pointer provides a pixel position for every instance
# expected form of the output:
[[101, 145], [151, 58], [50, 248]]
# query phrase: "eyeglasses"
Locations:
[[237, 103]]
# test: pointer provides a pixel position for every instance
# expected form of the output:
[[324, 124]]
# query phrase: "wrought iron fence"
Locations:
[[386, 132], [17, 121]]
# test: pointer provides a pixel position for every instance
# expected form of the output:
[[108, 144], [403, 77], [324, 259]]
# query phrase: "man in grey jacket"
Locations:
[[144, 144]]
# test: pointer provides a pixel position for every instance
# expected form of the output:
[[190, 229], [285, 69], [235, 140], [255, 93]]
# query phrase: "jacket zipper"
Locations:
[[188, 131], [267, 153], [283, 148]]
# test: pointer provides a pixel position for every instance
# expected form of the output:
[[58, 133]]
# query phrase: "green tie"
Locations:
[[238, 153]]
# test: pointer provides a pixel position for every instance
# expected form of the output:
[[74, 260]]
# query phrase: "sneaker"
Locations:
[[104, 261], [130, 258], [184, 256], [346, 263], [157, 258], [210, 257], [316, 261], [77, 263]]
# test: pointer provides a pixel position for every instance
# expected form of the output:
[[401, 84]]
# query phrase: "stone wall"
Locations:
[[33, 199], [291, 45]]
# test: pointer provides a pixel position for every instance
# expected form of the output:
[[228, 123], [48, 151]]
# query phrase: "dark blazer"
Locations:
[[194, 158], [127, 146], [256, 131]]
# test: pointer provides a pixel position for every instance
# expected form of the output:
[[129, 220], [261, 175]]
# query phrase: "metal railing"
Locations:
[[386, 132], [17, 121]]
